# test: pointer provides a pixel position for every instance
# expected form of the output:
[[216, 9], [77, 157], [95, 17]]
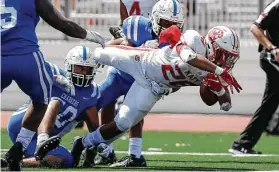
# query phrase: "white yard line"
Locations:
[[188, 153]]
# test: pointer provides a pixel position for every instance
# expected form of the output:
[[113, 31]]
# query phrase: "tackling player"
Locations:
[[22, 61], [66, 108], [156, 73], [138, 30]]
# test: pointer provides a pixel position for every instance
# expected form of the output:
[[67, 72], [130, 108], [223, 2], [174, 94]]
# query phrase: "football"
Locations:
[[207, 96]]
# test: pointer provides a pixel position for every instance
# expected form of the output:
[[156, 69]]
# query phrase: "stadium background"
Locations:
[[201, 15]]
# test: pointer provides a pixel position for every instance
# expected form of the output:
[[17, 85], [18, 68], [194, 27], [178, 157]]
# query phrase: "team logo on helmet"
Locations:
[[215, 34]]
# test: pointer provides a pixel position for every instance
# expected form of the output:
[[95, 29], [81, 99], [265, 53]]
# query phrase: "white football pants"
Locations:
[[139, 99]]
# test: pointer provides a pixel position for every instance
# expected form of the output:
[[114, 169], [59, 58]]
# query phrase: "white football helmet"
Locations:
[[222, 46], [81, 56], [166, 13]]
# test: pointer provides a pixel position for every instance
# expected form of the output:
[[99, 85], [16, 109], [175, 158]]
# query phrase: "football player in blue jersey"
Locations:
[[23, 62], [138, 31], [66, 108]]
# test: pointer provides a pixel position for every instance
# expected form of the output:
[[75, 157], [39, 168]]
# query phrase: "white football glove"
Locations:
[[95, 37]]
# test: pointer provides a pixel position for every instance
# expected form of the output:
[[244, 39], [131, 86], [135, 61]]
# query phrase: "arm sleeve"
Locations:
[[269, 14], [186, 53]]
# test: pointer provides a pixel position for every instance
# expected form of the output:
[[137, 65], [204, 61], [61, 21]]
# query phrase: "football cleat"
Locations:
[[14, 157], [130, 161], [77, 150], [46, 146], [89, 156], [243, 151]]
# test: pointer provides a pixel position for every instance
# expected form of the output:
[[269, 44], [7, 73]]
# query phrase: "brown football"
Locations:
[[207, 96]]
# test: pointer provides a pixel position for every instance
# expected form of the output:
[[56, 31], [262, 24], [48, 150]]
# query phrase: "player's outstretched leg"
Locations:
[[46, 146], [14, 157]]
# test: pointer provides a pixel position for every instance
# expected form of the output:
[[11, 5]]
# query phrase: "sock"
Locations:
[[111, 147], [135, 145], [24, 137], [92, 139]]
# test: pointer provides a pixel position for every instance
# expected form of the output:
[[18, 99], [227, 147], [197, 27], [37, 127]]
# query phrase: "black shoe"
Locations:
[[116, 32], [14, 157], [4, 163], [101, 160], [89, 157], [243, 151], [77, 150], [46, 146], [130, 161]]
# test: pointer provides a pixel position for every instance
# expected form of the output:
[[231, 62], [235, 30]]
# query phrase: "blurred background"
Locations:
[[98, 15]]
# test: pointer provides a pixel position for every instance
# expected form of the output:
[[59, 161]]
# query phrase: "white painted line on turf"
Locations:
[[189, 153]]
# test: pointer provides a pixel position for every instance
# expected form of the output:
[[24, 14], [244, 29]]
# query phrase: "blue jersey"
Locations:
[[18, 22], [138, 30], [72, 107]]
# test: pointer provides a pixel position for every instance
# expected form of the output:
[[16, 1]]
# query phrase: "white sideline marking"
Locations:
[[187, 153]]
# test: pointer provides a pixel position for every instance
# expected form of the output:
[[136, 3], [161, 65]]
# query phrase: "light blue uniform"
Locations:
[[21, 59], [70, 113]]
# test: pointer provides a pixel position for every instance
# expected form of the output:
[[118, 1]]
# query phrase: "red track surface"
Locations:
[[181, 122]]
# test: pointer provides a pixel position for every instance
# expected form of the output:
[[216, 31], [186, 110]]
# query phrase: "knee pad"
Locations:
[[123, 123]]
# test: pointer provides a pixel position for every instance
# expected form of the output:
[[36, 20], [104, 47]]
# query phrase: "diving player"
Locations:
[[138, 30]]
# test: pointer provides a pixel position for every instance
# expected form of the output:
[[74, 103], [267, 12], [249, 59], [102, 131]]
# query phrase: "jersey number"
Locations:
[[176, 74], [8, 17], [135, 8], [68, 115]]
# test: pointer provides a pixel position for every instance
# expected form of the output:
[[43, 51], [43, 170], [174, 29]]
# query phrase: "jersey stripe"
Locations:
[[83, 53], [174, 8], [43, 84], [266, 11], [129, 27], [49, 79], [136, 28], [131, 48], [132, 27]]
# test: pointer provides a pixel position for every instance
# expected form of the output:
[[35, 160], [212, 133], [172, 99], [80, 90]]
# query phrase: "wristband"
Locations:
[[218, 71]]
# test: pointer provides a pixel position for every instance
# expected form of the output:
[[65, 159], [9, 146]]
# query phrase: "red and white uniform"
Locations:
[[139, 7], [152, 69]]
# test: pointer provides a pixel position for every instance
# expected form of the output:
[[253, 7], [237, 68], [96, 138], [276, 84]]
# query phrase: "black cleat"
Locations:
[[243, 151], [116, 32], [130, 161], [101, 160], [77, 150], [14, 157], [4, 163], [46, 146], [89, 156]]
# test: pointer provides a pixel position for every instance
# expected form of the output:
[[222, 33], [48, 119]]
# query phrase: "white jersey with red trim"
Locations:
[[175, 71], [167, 65], [139, 7]]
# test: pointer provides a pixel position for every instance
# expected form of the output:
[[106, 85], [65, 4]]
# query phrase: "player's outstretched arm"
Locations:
[[54, 18], [203, 63]]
